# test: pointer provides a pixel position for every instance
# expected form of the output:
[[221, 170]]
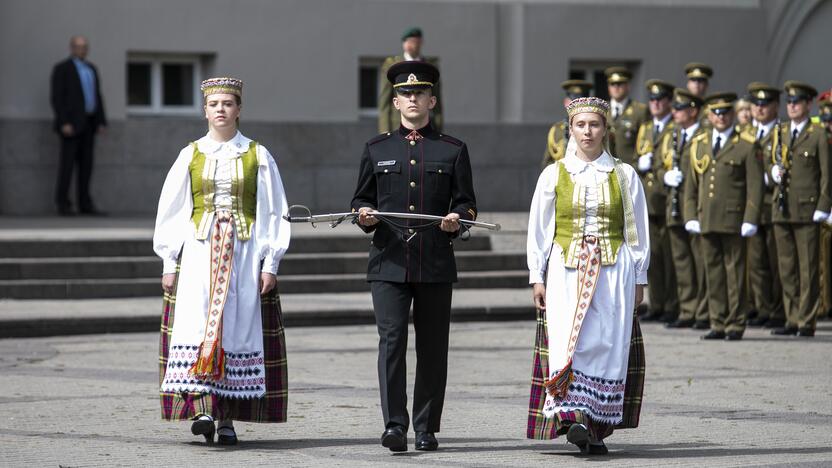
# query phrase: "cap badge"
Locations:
[[761, 94], [615, 76], [411, 78], [655, 89]]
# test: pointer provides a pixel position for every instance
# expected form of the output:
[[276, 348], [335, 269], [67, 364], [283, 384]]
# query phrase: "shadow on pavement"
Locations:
[[687, 450]]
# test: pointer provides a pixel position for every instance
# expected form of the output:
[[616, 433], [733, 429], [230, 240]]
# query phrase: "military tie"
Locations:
[[655, 131], [718, 144], [682, 143], [794, 137], [761, 134], [616, 111]]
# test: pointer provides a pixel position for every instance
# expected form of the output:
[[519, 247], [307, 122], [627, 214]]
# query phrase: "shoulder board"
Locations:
[[450, 140], [748, 138], [700, 136], [647, 125], [818, 124], [378, 138]]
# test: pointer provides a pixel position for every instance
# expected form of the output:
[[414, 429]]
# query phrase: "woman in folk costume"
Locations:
[[588, 252], [220, 234]]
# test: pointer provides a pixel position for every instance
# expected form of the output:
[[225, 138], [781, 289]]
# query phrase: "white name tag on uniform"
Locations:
[[386, 163]]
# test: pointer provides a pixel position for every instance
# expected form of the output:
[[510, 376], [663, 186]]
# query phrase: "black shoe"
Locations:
[[714, 335], [806, 332], [578, 435], [226, 439], [641, 310], [733, 336], [701, 325], [426, 441], [757, 322], [752, 314], [204, 427], [681, 324], [652, 316], [784, 331], [598, 449], [395, 439], [774, 323]]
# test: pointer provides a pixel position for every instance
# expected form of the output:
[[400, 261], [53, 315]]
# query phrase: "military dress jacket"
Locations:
[[664, 159], [624, 131], [766, 147], [653, 185], [808, 186], [431, 175], [389, 118], [725, 189], [556, 141]]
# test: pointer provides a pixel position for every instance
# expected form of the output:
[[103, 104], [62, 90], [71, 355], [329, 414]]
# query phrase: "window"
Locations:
[[369, 85], [164, 83], [593, 72]]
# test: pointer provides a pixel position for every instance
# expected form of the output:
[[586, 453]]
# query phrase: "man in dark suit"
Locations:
[[79, 115], [413, 169]]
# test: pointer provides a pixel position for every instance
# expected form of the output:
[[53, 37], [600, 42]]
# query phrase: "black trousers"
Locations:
[[76, 150], [431, 322]]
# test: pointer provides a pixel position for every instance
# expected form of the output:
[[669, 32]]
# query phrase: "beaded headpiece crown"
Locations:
[[588, 104], [222, 85]]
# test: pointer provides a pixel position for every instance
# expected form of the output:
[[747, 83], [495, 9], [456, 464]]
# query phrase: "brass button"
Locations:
[[412, 142], [713, 169], [440, 171], [711, 186], [413, 184], [649, 183], [712, 177], [386, 171], [411, 231], [806, 153], [711, 195], [412, 208], [412, 162], [649, 175]]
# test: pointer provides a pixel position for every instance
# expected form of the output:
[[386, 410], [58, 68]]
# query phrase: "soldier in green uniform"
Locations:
[[722, 202], [626, 114], [674, 156], [389, 117], [698, 77], [803, 187], [825, 119], [766, 292], [664, 302], [558, 135]]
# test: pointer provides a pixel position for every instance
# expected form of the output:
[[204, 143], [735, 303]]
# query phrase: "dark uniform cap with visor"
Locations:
[[411, 75], [576, 88], [618, 75], [761, 93], [799, 91], [658, 89], [683, 99], [698, 71], [825, 106], [721, 103]]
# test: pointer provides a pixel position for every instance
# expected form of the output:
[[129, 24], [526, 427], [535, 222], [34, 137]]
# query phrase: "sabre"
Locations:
[[334, 219]]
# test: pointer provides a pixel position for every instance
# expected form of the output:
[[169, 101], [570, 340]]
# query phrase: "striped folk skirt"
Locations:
[[271, 408], [540, 427]]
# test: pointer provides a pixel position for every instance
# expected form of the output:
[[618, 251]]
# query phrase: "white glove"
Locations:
[[819, 216], [673, 178], [645, 162], [748, 229], [829, 220], [765, 179], [692, 227], [776, 174]]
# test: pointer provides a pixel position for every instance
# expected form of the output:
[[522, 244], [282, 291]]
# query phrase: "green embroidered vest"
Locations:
[[570, 217], [243, 191]]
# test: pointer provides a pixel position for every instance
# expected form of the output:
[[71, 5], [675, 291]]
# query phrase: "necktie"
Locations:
[[655, 131], [761, 134], [616, 111], [718, 144], [794, 137], [684, 139]]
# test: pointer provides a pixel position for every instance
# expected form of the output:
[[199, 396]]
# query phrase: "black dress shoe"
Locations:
[[652, 316], [752, 314], [714, 335], [578, 434], [774, 323], [701, 325], [426, 441], [395, 439], [598, 449], [205, 428], [733, 336], [680, 324], [806, 332], [784, 331], [756, 322], [226, 435]]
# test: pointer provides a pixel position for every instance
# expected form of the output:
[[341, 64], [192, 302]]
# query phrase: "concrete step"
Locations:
[[292, 264], [290, 284], [143, 246], [30, 318]]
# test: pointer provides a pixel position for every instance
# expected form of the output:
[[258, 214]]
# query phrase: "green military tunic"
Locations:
[[660, 277], [624, 131], [389, 118], [807, 187], [556, 141], [724, 191]]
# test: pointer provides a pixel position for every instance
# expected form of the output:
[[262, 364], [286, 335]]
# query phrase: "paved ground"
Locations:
[[91, 401]]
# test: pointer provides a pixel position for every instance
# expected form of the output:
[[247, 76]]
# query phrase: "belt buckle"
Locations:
[[590, 239]]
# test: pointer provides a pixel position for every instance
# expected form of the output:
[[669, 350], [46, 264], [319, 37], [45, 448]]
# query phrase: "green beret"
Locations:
[[412, 32]]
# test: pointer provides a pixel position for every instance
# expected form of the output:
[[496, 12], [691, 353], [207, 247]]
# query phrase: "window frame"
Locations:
[[376, 63], [156, 62]]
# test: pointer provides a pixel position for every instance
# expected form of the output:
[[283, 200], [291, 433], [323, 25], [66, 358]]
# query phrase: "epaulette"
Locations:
[[700, 137], [450, 139], [378, 138], [818, 124], [747, 134]]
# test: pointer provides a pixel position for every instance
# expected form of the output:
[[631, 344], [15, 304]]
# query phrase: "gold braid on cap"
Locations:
[[588, 104], [223, 85]]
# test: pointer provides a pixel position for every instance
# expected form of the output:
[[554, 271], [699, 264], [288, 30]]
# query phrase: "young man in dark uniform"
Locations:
[[413, 169]]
